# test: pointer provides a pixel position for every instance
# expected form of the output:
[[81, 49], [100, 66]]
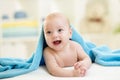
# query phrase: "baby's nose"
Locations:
[[55, 34]]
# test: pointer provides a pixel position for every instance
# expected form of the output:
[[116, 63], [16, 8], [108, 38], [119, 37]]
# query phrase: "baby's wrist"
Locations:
[[74, 73]]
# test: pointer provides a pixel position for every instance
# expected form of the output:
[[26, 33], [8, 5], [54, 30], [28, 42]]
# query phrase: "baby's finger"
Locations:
[[76, 65], [82, 73]]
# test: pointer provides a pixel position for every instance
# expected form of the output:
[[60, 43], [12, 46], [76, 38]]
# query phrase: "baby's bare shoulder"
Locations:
[[76, 45], [73, 43], [47, 50]]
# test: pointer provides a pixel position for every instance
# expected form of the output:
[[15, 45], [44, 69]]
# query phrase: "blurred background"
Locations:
[[97, 21]]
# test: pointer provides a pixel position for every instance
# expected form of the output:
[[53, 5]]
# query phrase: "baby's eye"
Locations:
[[59, 30], [48, 32]]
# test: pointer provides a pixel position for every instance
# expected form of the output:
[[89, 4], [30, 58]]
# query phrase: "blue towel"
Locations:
[[102, 55], [106, 57]]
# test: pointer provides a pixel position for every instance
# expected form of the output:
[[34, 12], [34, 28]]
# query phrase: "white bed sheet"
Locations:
[[96, 72]]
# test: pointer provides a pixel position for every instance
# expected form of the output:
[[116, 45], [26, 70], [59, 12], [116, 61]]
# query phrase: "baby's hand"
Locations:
[[76, 72], [80, 69]]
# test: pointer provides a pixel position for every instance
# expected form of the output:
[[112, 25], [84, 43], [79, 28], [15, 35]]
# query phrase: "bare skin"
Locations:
[[61, 51]]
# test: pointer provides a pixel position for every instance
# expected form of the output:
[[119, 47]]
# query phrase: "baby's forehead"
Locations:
[[56, 18]]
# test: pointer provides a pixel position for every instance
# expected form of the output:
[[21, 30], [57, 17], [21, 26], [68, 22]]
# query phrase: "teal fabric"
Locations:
[[10, 67], [106, 57]]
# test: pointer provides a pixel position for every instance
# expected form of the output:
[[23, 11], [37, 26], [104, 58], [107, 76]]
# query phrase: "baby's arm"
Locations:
[[83, 58], [82, 69], [84, 61], [82, 66], [55, 69]]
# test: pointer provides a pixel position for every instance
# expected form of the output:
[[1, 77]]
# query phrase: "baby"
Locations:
[[61, 51]]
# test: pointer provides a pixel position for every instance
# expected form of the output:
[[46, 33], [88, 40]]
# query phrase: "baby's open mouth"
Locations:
[[56, 42]]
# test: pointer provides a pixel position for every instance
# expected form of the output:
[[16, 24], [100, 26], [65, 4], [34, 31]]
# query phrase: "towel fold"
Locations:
[[107, 57], [10, 67]]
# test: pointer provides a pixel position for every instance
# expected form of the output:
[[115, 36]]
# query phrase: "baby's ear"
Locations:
[[70, 32]]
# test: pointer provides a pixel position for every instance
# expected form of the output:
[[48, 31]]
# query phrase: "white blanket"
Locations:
[[96, 72]]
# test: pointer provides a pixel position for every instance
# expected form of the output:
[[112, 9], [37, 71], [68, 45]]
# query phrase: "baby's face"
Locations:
[[57, 33]]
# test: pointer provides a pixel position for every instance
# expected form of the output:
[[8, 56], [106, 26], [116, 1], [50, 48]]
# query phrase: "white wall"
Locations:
[[73, 9], [9, 7], [114, 8], [79, 9], [38, 9]]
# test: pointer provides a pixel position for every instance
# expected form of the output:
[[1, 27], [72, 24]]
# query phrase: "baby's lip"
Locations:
[[57, 42]]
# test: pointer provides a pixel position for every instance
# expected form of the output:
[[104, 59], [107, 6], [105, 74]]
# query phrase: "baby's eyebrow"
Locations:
[[60, 27], [46, 29]]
